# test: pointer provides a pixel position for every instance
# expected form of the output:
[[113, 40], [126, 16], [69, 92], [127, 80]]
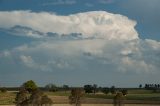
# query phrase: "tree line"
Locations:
[[30, 95], [148, 86]]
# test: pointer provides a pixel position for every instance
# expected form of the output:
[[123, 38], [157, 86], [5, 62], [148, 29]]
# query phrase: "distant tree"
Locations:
[[21, 97], [51, 87], [152, 86], [124, 92], [95, 88], [147, 86], [156, 86], [119, 99], [75, 97], [3, 89], [36, 97], [113, 90], [30, 86], [30, 95], [105, 90], [88, 88], [100, 88], [65, 87], [140, 86]]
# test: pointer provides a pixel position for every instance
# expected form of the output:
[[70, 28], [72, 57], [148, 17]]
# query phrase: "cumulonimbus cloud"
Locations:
[[96, 24], [104, 41]]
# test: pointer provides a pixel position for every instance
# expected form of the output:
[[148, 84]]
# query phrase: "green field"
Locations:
[[8, 97]]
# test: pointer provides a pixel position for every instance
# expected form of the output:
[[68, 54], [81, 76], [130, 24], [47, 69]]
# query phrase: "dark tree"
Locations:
[[119, 99], [36, 97], [30, 86], [51, 87], [21, 97], [105, 90], [155, 86], [113, 90], [124, 92], [94, 88], [147, 86], [3, 89], [140, 86], [88, 88], [75, 97], [31, 97], [65, 87]]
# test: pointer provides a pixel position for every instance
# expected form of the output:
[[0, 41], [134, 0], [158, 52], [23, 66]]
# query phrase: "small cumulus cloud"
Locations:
[[30, 63], [27, 60], [6, 53], [61, 64]]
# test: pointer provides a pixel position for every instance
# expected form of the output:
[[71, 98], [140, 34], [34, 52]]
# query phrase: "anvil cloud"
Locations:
[[94, 41], [97, 24]]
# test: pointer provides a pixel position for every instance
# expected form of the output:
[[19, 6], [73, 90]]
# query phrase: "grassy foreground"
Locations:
[[145, 95], [7, 98]]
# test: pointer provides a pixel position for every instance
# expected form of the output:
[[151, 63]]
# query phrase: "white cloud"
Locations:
[[113, 45], [96, 24], [61, 64], [6, 53], [140, 66], [104, 54], [29, 62]]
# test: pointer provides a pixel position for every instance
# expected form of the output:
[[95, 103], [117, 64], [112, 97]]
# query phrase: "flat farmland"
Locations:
[[61, 97]]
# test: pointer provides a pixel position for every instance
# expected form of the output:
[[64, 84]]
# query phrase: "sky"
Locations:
[[78, 42]]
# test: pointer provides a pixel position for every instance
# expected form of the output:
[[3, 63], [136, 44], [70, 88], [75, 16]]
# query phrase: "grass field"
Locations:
[[7, 98], [145, 95], [153, 96], [58, 93]]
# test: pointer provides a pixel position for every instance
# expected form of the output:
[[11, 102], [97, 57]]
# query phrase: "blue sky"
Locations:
[[41, 40]]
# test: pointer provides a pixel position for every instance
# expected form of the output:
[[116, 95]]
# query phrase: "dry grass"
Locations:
[[62, 97], [7, 98]]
